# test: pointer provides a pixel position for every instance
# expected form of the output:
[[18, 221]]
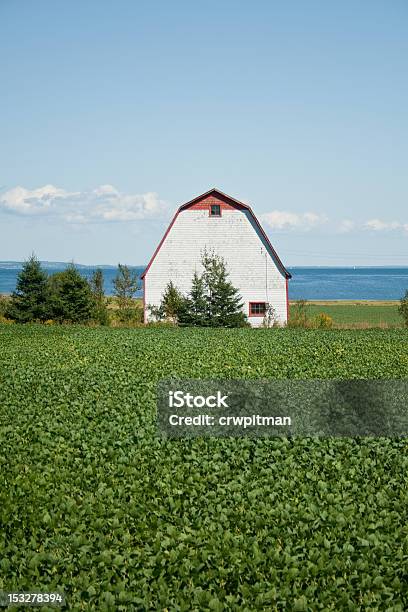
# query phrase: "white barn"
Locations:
[[215, 221]]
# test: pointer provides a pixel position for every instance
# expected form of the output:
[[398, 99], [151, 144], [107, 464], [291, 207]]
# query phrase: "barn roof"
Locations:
[[236, 204]]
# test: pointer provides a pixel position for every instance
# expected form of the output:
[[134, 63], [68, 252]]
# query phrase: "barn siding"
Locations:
[[235, 237]]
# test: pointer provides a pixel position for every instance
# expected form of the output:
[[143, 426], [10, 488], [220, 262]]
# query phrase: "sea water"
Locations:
[[309, 283]]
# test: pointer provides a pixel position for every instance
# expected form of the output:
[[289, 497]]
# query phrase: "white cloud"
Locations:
[[374, 225], [106, 204], [24, 201], [284, 220], [103, 204], [378, 225]]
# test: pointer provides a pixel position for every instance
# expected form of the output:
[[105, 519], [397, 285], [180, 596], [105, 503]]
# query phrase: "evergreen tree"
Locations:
[[223, 299], [403, 308], [97, 284], [29, 301], [197, 304], [126, 284], [71, 296], [212, 302], [173, 304], [174, 307], [97, 287]]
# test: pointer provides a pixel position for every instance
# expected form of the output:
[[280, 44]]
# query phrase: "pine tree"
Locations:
[[126, 284], [71, 297], [173, 305], [212, 301], [224, 302], [96, 283], [197, 304], [29, 301]]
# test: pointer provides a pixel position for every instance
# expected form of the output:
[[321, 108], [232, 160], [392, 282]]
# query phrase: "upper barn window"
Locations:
[[215, 210]]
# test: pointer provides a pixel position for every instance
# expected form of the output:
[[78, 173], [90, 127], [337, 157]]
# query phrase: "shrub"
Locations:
[[403, 308], [3, 319], [270, 319], [298, 315], [130, 316], [4, 305], [160, 324], [323, 321]]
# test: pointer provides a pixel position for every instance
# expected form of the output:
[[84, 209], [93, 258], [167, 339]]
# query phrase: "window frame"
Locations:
[[210, 210], [258, 314]]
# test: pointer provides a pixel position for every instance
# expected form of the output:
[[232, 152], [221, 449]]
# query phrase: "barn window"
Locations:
[[257, 309], [215, 210]]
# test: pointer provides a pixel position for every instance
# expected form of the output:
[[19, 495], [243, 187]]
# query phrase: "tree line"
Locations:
[[68, 297]]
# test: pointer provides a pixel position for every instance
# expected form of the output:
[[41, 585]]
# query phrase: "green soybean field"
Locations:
[[95, 505]]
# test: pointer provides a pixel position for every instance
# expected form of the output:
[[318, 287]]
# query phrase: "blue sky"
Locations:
[[114, 113]]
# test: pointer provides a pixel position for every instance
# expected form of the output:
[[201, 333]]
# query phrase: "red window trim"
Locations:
[[209, 210], [256, 314]]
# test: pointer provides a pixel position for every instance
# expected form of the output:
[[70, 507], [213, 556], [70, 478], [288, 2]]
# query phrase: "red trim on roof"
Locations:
[[228, 200], [144, 300], [268, 242], [219, 195]]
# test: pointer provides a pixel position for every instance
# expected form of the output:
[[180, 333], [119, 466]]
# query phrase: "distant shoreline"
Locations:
[[58, 264]]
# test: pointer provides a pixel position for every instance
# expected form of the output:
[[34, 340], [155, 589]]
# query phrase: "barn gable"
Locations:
[[214, 196], [217, 221]]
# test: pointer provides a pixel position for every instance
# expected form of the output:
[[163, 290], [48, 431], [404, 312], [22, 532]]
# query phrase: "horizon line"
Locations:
[[104, 265]]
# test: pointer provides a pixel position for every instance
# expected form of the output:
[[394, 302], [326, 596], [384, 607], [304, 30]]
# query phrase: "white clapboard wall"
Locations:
[[236, 236]]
